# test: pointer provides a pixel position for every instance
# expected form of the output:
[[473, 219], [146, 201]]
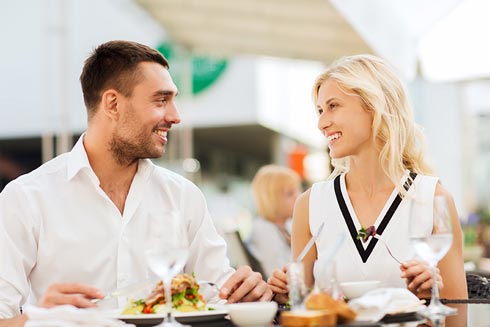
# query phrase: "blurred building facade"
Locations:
[[258, 111]]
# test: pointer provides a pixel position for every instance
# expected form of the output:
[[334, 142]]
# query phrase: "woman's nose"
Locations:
[[324, 123]]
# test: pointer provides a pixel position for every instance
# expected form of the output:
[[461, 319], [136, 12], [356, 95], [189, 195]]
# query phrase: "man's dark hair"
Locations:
[[114, 65]]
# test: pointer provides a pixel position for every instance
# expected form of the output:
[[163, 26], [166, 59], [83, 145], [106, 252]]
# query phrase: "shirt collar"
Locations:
[[78, 161]]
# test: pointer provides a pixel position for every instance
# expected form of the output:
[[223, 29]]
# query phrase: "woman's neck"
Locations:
[[366, 176]]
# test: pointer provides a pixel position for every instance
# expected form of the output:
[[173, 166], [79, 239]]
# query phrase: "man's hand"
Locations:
[[245, 285], [78, 295], [278, 283], [419, 278]]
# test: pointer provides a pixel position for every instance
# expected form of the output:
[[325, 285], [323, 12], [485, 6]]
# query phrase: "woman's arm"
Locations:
[[450, 277], [452, 265], [301, 235]]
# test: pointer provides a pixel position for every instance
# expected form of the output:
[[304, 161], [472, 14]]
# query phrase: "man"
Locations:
[[80, 223]]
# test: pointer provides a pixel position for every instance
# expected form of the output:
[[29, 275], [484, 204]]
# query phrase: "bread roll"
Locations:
[[319, 301], [316, 318], [323, 301]]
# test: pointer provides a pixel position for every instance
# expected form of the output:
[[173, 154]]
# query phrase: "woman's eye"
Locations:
[[320, 111], [332, 106]]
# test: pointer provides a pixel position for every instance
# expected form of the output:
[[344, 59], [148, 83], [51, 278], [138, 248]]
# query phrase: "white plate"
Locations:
[[183, 317]]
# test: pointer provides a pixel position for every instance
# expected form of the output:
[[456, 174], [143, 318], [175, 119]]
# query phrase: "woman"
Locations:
[[275, 190], [376, 149]]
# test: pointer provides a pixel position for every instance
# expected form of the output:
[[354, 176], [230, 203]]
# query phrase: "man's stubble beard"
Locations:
[[126, 151]]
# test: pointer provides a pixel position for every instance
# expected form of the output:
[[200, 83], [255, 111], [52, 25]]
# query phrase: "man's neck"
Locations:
[[115, 179]]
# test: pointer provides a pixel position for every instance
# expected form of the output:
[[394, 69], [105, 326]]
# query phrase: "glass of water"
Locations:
[[297, 287], [432, 248], [166, 257]]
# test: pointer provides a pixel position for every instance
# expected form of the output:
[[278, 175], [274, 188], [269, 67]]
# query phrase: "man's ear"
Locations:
[[109, 104]]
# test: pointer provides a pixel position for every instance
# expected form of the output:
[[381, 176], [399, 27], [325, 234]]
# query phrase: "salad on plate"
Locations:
[[185, 298]]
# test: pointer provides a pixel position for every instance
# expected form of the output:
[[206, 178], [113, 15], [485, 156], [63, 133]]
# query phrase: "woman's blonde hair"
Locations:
[[401, 141], [268, 186]]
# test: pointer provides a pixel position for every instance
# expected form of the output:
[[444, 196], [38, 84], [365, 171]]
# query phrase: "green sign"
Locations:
[[205, 70]]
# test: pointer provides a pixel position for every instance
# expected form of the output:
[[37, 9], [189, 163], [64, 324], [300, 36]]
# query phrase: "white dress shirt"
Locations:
[[57, 225]]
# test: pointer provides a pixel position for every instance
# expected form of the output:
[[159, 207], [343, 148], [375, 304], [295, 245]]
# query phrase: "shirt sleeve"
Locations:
[[18, 248], [207, 258]]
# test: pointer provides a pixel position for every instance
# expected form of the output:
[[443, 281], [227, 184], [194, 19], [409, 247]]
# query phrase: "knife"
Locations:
[[309, 244], [126, 290]]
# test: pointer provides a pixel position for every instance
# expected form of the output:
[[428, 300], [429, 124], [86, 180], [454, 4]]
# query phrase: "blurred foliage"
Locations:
[[484, 214], [470, 235]]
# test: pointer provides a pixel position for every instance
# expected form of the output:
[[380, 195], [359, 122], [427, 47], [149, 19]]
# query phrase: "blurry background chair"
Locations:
[[478, 286], [239, 254]]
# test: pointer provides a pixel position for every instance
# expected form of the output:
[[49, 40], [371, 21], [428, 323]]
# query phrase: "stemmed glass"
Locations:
[[166, 256], [432, 249]]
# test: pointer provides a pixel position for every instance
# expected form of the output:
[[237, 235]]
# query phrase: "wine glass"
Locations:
[[166, 256], [432, 248]]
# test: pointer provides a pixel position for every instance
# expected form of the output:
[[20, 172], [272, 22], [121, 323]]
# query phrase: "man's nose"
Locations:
[[172, 116]]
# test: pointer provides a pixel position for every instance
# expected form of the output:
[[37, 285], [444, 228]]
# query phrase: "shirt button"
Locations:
[[122, 278]]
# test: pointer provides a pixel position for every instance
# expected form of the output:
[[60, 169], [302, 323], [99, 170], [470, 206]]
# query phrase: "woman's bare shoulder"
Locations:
[[440, 190]]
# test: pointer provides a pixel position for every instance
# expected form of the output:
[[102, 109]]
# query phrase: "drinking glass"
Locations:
[[327, 281], [296, 282], [432, 249], [166, 256]]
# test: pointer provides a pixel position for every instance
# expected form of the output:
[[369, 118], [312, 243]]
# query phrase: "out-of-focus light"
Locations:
[[191, 165], [457, 47], [317, 166]]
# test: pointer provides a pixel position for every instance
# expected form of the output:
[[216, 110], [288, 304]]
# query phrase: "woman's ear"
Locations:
[[109, 103]]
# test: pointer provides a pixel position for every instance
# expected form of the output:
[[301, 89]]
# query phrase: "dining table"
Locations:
[[471, 313]]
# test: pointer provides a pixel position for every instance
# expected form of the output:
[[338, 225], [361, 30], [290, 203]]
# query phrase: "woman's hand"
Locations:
[[278, 283], [419, 278]]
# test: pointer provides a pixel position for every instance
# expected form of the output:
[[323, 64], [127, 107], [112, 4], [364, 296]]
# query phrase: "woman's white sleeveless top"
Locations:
[[355, 260]]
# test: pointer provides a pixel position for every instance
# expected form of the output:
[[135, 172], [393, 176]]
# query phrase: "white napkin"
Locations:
[[375, 304], [69, 316]]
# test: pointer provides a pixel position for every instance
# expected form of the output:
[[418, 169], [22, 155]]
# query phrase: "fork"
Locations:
[[126, 290], [387, 248], [205, 282]]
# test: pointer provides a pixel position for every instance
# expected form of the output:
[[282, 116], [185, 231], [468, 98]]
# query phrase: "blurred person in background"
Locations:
[[275, 189], [81, 222], [376, 148]]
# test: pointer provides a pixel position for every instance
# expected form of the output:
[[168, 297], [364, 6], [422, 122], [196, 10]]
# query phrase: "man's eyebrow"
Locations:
[[164, 93]]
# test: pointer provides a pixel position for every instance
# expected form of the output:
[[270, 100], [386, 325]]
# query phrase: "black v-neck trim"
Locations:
[[365, 253]]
